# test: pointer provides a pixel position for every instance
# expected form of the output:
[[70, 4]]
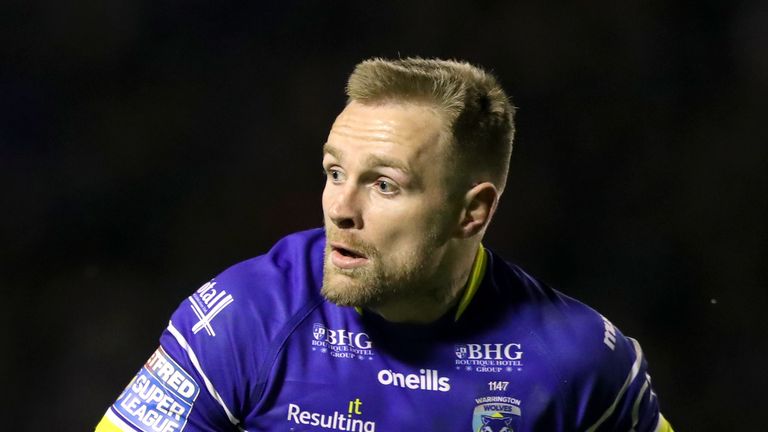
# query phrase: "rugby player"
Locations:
[[394, 316]]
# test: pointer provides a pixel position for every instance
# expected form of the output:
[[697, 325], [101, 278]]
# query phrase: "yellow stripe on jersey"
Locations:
[[663, 425], [105, 425], [475, 277]]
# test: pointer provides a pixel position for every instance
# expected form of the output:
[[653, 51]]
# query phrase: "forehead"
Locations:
[[409, 132]]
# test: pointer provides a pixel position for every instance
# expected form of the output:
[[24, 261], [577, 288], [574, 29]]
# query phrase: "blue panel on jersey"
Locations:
[[160, 397]]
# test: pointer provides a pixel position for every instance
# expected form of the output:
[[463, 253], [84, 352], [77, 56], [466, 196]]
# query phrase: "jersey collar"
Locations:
[[475, 278]]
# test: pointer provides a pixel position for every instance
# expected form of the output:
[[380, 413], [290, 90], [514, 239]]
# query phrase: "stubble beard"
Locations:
[[379, 281]]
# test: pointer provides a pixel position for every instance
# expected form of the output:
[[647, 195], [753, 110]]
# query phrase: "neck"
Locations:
[[426, 304]]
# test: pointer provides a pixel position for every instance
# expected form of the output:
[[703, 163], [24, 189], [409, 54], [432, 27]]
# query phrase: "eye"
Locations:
[[386, 187], [334, 174]]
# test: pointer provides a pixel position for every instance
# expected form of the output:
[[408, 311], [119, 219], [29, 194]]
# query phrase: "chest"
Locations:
[[338, 376]]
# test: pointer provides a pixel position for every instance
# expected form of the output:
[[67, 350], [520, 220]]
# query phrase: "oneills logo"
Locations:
[[427, 379]]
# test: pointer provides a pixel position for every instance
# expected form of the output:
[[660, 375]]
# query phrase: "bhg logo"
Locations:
[[341, 337], [341, 342], [510, 351], [489, 357]]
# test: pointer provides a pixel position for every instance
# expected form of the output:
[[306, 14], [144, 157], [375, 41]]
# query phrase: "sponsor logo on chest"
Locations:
[[427, 379], [489, 357], [350, 419], [341, 343]]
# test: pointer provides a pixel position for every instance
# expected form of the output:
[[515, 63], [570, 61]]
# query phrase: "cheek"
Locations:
[[326, 200], [402, 226]]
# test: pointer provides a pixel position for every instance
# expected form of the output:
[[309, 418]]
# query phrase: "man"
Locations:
[[394, 317]]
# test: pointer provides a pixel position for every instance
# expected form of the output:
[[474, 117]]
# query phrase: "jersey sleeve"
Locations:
[[166, 395], [195, 380], [214, 357], [180, 386], [613, 387]]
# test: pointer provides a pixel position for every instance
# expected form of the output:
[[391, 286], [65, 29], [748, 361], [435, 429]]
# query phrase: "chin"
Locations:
[[341, 290], [342, 298]]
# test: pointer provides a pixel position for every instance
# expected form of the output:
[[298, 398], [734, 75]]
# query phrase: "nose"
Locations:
[[343, 207]]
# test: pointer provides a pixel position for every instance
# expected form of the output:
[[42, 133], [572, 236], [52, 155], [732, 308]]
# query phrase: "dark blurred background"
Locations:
[[147, 145]]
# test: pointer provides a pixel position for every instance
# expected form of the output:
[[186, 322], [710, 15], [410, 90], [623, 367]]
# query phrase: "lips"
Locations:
[[346, 250], [345, 257]]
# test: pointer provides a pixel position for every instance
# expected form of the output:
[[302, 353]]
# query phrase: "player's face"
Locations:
[[386, 207]]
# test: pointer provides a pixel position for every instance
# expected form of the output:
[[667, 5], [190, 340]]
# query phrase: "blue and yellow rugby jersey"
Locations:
[[258, 349]]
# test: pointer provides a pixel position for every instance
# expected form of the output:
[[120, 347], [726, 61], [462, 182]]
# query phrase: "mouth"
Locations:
[[343, 256]]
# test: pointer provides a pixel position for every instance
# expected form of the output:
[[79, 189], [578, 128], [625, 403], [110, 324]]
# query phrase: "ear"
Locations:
[[479, 205]]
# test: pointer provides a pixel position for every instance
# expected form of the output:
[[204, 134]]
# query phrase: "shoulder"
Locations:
[[602, 371], [286, 275], [230, 327], [596, 367], [257, 295], [574, 335], [585, 345]]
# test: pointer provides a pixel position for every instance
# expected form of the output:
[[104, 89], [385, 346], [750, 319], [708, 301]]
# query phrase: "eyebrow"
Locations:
[[371, 160], [333, 151]]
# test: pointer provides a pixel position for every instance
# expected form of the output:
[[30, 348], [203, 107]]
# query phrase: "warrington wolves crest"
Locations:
[[496, 414]]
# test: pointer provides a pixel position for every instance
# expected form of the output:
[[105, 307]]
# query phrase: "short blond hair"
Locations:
[[479, 114]]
